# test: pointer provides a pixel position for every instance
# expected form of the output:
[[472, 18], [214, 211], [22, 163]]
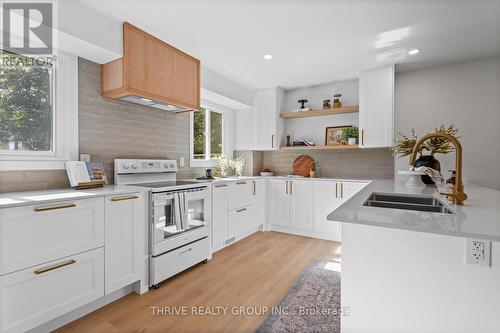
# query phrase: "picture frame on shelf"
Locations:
[[334, 136]]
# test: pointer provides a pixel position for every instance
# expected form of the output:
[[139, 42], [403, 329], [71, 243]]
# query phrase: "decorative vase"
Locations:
[[352, 141], [223, 173], [430, 162]]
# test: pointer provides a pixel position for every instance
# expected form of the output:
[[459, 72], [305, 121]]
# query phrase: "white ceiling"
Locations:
[[315, 41]]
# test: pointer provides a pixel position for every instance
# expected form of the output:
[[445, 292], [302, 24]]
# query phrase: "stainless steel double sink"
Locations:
[[407, 202]]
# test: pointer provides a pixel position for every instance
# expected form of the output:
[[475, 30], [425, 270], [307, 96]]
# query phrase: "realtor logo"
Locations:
[[27, 28]]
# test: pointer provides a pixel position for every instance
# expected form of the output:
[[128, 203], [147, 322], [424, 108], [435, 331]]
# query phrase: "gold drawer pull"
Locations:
[[223, 185], [241, 210], [43, 209], [125, 198], [56, 266]]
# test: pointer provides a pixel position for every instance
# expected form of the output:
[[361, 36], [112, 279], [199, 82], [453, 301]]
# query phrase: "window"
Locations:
[[208, 136], [26, 104], [38, 111]]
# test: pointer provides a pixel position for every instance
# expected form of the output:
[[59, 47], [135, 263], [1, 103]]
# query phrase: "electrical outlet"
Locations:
[[181, 162], [85, 157], [478, 252], [477, 245]]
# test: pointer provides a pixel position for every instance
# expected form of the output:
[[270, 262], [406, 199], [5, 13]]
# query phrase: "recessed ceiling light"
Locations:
[[268, 56], [414, 51], [146, 99]]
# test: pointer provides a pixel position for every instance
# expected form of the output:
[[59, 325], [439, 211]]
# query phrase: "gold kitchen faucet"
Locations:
[[457, 195]]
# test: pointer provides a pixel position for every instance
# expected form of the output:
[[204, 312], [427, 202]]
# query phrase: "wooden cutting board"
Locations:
[[302, 165]]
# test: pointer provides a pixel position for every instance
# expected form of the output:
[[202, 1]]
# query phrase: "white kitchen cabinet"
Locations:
[[328, 195], [35, 295], [267, 126], [243, 134], [291, 203], [219, 215], [301, 204], [239, 194], [124, 230], [348, 189], [258, 208], [376, 107], [34, 234], [238, 222], [326, 200], [279, 202]]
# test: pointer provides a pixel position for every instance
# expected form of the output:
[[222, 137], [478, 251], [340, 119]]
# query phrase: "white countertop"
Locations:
[[14, 199], [478, 217], [291, 177]]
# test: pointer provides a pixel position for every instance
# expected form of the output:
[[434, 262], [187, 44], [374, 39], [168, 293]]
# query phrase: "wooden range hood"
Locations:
[[152, 73]]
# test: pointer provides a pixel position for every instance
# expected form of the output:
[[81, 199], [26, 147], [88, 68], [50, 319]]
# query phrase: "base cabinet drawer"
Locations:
[[33, 234], [238, 221], [239, 194], [175, 261], [38, 294]]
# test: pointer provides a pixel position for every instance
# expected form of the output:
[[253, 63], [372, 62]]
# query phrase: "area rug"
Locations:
[[311, 305]]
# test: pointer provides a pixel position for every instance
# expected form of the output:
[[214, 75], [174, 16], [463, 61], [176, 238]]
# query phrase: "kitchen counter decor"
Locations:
[[404, 147]]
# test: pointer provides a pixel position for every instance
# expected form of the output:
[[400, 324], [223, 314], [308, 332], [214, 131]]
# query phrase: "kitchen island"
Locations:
[[414, 263]]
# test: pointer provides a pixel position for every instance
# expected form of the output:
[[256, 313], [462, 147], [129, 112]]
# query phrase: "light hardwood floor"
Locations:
[[256, 271]]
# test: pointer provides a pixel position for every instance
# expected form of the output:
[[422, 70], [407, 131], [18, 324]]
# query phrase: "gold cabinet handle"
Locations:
[[253, 182], [130, 197], [241, 210], [342, 190], [337, 190], [56, 266], [362, 137], [272, 141], [221, 185], [43, 209], [241, 183]]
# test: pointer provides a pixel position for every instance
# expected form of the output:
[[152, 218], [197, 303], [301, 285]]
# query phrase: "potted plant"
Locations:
[[222, 164], [351, 134], [404, 147], [237, 164]]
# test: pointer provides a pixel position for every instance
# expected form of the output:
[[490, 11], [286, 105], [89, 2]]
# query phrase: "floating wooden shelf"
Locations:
[[320, 147], [320, 112]]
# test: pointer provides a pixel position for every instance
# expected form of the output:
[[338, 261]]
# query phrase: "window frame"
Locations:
[[226, 134], [65, 123]]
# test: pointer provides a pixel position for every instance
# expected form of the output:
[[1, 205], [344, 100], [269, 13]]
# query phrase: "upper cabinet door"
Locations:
[[376, 107], [265, 119], [267, 127]]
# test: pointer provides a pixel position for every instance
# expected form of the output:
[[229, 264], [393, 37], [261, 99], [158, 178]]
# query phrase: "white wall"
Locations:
[[404, 281], [466, 94], [314, 128]]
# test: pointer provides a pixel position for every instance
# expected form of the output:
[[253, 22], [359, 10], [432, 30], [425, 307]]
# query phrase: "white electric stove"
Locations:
[[179, 215]]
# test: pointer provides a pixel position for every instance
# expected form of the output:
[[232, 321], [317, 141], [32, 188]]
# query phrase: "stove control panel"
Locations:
[[144, 166]]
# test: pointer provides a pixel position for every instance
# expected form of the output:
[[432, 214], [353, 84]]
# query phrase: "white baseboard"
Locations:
[[306, 233], [220, 246], [82, 311]]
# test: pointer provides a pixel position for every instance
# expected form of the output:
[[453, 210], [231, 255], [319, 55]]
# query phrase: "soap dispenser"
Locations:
[[318, 169]]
